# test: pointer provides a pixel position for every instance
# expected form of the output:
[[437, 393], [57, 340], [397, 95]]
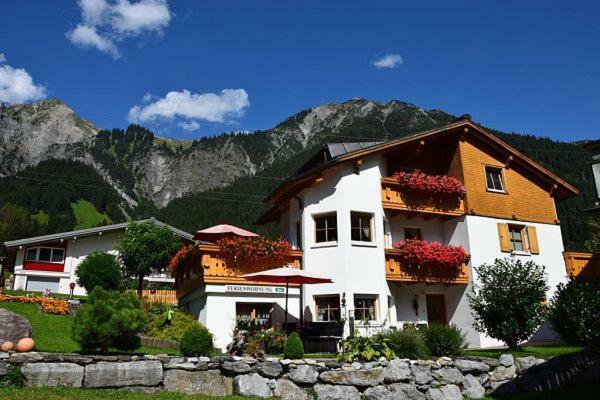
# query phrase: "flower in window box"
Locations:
[[255, 252], [424, 184], [428, 256]]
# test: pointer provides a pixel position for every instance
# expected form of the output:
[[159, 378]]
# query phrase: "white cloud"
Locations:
[[87, 36], [388, 61], [105, 23], [186, 109], [148, 97], [17, 86]]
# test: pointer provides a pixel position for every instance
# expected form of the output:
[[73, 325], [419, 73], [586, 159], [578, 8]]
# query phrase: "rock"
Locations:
[[421, 373], [335, 392], [288, 390], [445, 362], [74, 358], [472, 388], [185, 366], [448, 375], [471, 366], [362, 377], [210, 383], [396, 371], [448, 392], [251, 385], [304, 374], [492, 362], [269, 369], [506, 360], [3, 368], [484, 379], [4, 355], [406, 391], [379, 393], [524, 363], [26, 357], [236, 367], [132, 373], [52, 374], [502, 373], [13, 326]]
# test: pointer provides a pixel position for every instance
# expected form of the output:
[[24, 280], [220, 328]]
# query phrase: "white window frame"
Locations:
[[375, 299], [502, 179], [337, 229], [371, 227], [37, 254]]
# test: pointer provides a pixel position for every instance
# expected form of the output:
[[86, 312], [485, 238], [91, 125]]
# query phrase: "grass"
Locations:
[[87, 216], [26, 292], [52, 333], [545, 352], [62, 393], [579, 392]]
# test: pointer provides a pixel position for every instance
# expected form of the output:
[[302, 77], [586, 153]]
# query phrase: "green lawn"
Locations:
[[97, 394], [536, 351], [26, 292], [87, 216], [52, 333]]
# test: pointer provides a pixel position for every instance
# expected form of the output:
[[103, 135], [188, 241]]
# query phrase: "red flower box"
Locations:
[[255, 251], [438, 185], [420, 254], [180, 259]]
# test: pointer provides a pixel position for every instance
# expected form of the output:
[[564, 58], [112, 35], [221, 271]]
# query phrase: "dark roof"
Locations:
[[338, 149], [93, 231]]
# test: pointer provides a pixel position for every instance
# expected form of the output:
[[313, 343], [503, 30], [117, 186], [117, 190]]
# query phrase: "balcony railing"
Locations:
[[209, 265], [396, 271], [395, 199], [583, 265]]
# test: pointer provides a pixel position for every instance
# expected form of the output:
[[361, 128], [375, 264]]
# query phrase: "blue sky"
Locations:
[[210, 66]]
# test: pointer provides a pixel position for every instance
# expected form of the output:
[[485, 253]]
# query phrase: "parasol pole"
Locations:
[[287, 287]]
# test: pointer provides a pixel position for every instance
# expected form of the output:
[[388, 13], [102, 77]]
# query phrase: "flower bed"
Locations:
[[49, 305], [424, 184], [431, 255], [255, 251]]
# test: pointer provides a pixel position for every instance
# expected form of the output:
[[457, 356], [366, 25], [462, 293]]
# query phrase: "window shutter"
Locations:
[[503, 236], [534, 248]]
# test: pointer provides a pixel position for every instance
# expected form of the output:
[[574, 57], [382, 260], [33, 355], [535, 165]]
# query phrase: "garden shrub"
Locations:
[[293, 348], [170, 325], [508, 303], [444, 340], [574, 312], [99, 269], [109, 319], [196, 341], [363, 348], [408, 343]]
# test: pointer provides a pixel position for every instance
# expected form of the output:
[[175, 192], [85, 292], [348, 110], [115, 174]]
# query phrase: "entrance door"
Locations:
[[436, 309]]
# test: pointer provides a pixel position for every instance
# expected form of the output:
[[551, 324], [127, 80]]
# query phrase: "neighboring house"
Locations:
[[342, 212], [50, 261], [594, 148]]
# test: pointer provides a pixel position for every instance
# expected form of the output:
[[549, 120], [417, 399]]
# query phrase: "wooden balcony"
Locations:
[[396, 200], [397, 272], [583, 265], [208, 265]]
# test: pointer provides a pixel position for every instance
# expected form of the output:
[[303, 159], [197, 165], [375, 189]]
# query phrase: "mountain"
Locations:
[[223, 178]]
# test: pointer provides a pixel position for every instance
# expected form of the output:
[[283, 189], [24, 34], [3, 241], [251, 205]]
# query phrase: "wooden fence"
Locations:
[[160, 296]]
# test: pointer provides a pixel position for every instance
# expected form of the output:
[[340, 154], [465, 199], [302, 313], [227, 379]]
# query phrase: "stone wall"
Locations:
[[444, 378]]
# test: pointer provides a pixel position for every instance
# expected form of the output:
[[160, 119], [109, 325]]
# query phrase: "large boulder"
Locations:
[[471, 366], [379, 393], [506, 360], [472, 388], [448, 392], [285, 389], [501, 373], [361, 377], [421, 373], [210, 383], [236, 367], [406, 391], [133, 373], [524, 363], [13, 327], [304, 375], [396, 371], [448, 375], [335, 392], [269, 369], [251, 385], [52, 374]]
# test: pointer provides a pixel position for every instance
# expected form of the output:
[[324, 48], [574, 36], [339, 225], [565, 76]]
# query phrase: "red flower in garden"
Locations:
[[420, 182], [422, 254]]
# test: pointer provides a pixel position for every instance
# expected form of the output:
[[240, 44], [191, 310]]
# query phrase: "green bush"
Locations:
[[574, 312], [170, 325], [12, 378], [408, 343], [109, 319], [508, 302], [444, 340], [293, 348], [196, 341], [363, 348], [100, 269]]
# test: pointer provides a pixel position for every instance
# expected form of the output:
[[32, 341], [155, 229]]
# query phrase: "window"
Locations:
[[413, 234], [517, 235], [326, 228], [45, 254], [361, 226], [298, 235], [364, 308], [328, 308], [494, 179]]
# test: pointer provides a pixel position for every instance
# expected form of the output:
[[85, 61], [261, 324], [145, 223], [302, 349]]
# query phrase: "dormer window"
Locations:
[[494, 179], [45, 254]]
